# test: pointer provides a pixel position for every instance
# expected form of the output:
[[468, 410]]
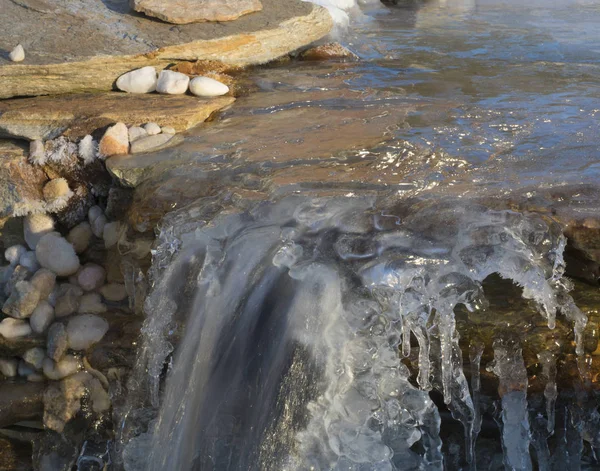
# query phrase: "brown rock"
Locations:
[[194, 11], [327, 52], [115, 141]]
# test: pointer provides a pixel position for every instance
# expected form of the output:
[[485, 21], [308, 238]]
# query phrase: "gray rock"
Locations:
[[55, 253], [57, 342], [150, 143], [66, 305], [114, 292], [91, 277], [34, 357], [44, 280], [91, 303], [192, 11], [22, 301], [29, 261], [42, 317]]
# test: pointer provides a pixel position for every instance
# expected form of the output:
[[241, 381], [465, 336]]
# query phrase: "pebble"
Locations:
[[8, 367], [34, 357], [57, 341], [91, 303], [13, 254], [67, 366], [42, 317], [149, 143], [24, 369], [115, 141], [85, 330], [135, 132], [205, 86], [94, 213], [80, 236], [44, 280], [98, 225], [168, 130], [88, 149], [152, 129], [172, 83], [37, 152], [29, 261], [138, 81], [66, 305], [22, 300], [114, 292], [17, 274], [17, 54], [35, 227], [69, 289], [12, 328], [91, 277], [57, 189], [55, 253], [111, 234]]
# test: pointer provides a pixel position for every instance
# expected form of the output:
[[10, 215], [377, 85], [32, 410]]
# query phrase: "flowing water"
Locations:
[[365, 264]]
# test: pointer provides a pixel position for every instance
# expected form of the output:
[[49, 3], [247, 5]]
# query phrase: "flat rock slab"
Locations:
[[81, 114], [86, 45], [193, 11]]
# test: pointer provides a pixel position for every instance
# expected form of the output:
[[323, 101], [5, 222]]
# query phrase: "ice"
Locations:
[[548, 361]]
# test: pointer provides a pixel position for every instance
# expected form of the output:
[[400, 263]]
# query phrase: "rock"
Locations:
[[85, 330], [205, 86], [22, 301], [57, 341], [91, 303], [150, 143], [80, 236], [37, 152], [67, 366], [57, 190], [44, 280], [42, 317], [111, 234], [20, 401], [12, 328], [114, 292], [135, 132], [34, 357], [98, 225], [192, 11], [15, 275], [328, 51], [115, 141], [172, 83], [94, 213], [152, 128], [23, 369], [62, 399], [17, 54], [29, 261], [35, 227], [66, 305], [138, 81], [88, 149], [91, 277], [55, 253], [13, 254], [69, 289], [8, 367], [168, 130]]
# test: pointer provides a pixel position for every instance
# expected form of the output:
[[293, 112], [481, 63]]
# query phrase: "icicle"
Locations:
[[475, 353], [447, 327], [550, 392]]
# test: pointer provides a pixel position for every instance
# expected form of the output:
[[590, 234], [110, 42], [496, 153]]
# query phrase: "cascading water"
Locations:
[[313, 331]]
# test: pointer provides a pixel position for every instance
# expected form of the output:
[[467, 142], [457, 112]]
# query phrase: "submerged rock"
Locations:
[[66, 305], [206, 86], [34, 357], [328, 51], [91, 277], [192, 11], [91, 303], [114, 292], [17, 54], [57, 342], [138, 81], [115, 141], [172, 83], [85, 330], [67, 366], [56, 254]]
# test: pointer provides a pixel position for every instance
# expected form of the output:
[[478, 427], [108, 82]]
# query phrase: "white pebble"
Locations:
[[29, 261], [91, 277], [8, 367], [34, 357], [35, 227], [168, 130], [94, 213], [17, 54], [55, 253], [111, 233], [98, 225], [13, 254], [135, 132], [12, 328], [138, 81], [42, 317], [91, 303], [114, 292], [172, 83], [67, 366], [44, 280], [205, 86], [88, 149], [85, 330], [152, 128], [37, 152], [80, 236]]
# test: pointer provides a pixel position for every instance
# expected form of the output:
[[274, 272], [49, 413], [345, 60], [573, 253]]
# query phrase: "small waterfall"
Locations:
[[312, 332]]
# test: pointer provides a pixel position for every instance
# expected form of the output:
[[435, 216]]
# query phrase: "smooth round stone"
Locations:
[[99, 223], [8, 367], [172, 83], [88, 149], [55, 253], [80, 236], [205, 86], [57, 189], [12, 328], [66, 305], [69, 289], [35, 227], [135, 132], [67, 366], [111, 234], [94, 213], [152, 129], [168, 130], [115, 141], [57, 341], [34, 357], [42, 317], [91, 277], [138, 81], [17, 54], [91, 303], [85, 330], [114, 292], [13, 254], [44, 280], [29, 261], [22, 300]]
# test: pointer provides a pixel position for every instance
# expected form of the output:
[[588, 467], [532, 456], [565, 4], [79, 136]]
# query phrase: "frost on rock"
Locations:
[[60, 150]]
